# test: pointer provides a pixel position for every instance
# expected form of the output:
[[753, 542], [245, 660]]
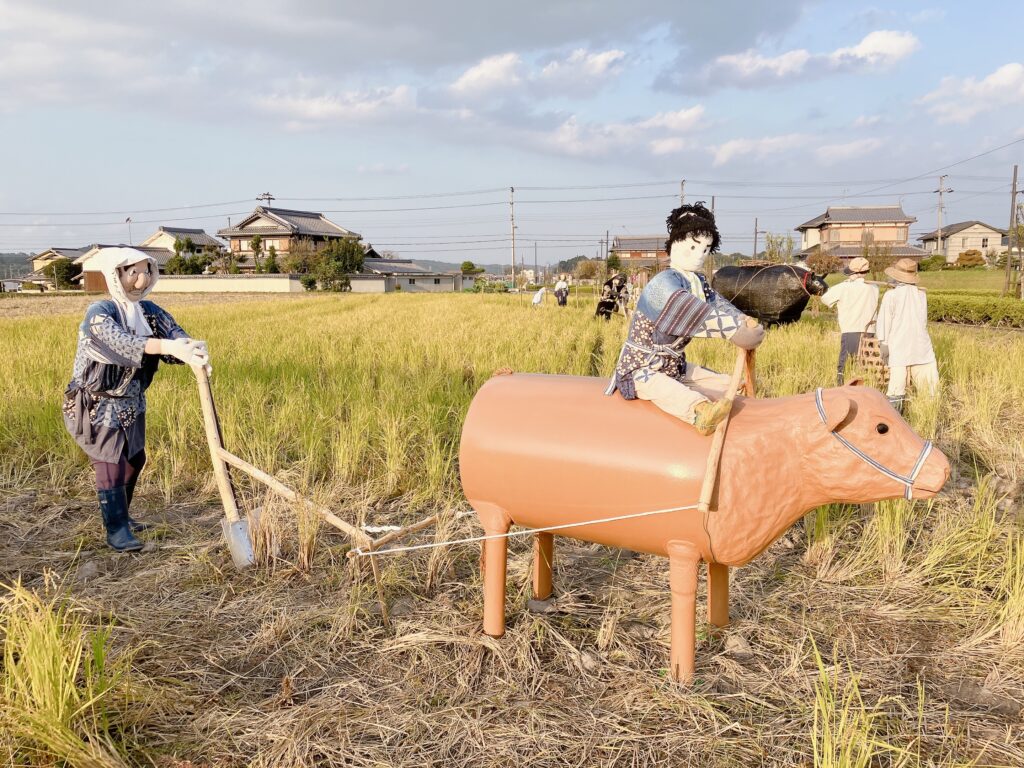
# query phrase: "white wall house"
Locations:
[[964, 236]]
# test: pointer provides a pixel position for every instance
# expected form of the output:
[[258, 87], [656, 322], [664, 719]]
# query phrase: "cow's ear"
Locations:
[[855, 383], [836, 406]]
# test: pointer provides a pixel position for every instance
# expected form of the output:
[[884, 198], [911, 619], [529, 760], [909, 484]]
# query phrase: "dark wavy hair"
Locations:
[[692, 220]]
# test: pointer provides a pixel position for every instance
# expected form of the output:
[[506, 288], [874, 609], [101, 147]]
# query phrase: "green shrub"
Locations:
[[308, 282], [976, 310], [932, 263]]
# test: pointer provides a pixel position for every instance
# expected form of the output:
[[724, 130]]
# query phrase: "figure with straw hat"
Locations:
[[857, 302], [902, 332], [121, 342]]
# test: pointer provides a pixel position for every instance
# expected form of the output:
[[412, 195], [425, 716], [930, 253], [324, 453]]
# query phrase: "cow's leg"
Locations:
[[543, 557], [493, 565], [718, 594], [683, 560]]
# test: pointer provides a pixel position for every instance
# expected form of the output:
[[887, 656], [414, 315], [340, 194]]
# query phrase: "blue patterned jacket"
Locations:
[[667, 316], [105, 402]]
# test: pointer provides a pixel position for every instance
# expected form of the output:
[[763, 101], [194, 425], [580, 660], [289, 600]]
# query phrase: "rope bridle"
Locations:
[[907, 482], [790, 267]]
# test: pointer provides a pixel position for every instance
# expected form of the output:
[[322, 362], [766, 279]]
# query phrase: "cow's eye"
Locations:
[[881, 428]]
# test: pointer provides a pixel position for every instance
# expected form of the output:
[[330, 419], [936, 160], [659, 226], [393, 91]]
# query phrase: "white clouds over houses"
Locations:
[[582, 71], [830, 154], [490, 74], [877, 51], [306, 103], [760, 148], [661, 134], [961, 99]]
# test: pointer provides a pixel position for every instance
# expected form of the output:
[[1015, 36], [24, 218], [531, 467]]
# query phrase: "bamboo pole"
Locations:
[[400, 533], [214, 441], [287, 493], [718, 441]]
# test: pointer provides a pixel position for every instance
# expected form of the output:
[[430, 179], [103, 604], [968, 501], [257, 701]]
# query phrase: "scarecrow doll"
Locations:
[[121, 342], [902, 331], [676, 306]]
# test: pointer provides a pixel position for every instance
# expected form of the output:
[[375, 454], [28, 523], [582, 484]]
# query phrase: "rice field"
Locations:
[[889, 635]]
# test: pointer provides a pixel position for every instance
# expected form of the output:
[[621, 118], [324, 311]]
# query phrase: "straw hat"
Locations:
[[903, 271], [858, 266]]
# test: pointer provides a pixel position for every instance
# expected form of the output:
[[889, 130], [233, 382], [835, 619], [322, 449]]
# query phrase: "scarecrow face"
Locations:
[[689, 253], [135, 279]]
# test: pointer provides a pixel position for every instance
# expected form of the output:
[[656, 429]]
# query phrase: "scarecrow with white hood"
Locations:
[[676, 306], [121, 342]]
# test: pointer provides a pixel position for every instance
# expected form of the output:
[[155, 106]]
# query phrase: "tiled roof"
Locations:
[[397, 267], [852, 251], [162, 255], [858, 214], [198, 236], [639, 243], [952, 229], [289, 222], [60, 253]]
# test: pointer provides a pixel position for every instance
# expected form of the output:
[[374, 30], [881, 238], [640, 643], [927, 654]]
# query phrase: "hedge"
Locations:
[[976, 310]]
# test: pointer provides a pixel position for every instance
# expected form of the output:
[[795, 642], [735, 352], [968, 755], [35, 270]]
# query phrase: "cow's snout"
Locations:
[[933, 475]]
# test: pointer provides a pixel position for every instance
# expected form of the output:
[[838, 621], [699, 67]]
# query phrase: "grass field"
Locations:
[[885, 636]]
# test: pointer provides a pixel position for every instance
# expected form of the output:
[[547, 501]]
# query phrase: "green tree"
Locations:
[[586, 269], [614, 263], [824, 262], [63, 272], [256, 244], [469, 268], [339, 259], [270, 267], [302, 258]]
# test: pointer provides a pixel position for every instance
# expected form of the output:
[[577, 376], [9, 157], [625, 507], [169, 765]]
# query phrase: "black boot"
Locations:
[[129, 491], [114, 506], [840, 378]]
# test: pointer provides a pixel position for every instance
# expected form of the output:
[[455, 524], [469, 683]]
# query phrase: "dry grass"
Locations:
[[888, 636]]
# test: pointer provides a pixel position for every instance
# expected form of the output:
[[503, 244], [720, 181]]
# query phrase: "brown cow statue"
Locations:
[[782, 457]]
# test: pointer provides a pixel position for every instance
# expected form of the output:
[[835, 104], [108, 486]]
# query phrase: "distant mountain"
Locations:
[[14, 264]]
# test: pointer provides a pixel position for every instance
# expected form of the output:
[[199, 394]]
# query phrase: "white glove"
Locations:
[[189, 351]]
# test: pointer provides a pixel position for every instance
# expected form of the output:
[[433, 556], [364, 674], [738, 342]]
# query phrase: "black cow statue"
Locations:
[[775, 294]]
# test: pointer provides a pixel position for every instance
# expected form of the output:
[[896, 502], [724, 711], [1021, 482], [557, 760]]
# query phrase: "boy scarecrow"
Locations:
[[120, 344], [902, 331], [676, 306], [857, 303]]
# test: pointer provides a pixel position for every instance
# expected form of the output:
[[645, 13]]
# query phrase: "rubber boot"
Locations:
[[897, 403], [840, 378], [709, 414], [114, 506], [129, 491]]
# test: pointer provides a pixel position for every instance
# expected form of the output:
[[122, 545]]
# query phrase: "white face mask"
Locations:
[[688, 254]]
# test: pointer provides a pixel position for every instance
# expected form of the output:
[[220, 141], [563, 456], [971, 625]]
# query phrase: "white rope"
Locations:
[[360, 552]]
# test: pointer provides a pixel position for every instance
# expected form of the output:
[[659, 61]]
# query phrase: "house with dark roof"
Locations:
[[407, 276], [844, 230], [93, 280], [164, 237], [963, 236], [281, 228], [640, 250], [50, 255]]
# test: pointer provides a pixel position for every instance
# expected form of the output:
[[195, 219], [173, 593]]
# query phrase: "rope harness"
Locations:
[[907, 482]]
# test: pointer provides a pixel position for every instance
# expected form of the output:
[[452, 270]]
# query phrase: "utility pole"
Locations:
[[1012, 234], [606, 244], [266, 197], [682, 191], [941, 190], [512, 223], [755, 239], [712, 203], [536, 272]]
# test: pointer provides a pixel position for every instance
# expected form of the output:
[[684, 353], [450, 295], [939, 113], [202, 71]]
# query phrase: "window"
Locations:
[[412, 281], [984, 242], [963, 242], [437, 281]]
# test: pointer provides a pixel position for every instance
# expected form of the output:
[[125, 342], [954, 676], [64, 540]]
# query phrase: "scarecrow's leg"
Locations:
[[683, 560], [543, 557], [718, 594]]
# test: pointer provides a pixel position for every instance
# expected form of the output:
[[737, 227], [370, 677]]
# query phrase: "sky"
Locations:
[[408, 122]]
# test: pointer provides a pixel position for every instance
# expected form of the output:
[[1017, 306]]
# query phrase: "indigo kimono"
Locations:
[[105, 402], [673, 308]]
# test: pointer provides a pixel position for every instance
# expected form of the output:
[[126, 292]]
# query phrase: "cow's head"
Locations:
[[864, 451], [816, 285]]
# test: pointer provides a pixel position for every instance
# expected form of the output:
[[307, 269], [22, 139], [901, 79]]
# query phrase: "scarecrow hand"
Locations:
[[189, 351], [749, 335]]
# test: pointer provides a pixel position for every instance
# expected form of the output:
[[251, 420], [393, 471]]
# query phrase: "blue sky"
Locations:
[[778, 109]]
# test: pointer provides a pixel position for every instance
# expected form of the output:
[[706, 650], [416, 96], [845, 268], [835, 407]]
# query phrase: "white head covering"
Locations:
[[106, 261]]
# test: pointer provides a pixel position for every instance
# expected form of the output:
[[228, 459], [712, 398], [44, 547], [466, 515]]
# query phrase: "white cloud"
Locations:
[[499, 72], [382, 169], [829, 154], [304, 104], [759, 148], [582, 68], [961, 99], [658, 135], [878, 50], [868, 121]]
